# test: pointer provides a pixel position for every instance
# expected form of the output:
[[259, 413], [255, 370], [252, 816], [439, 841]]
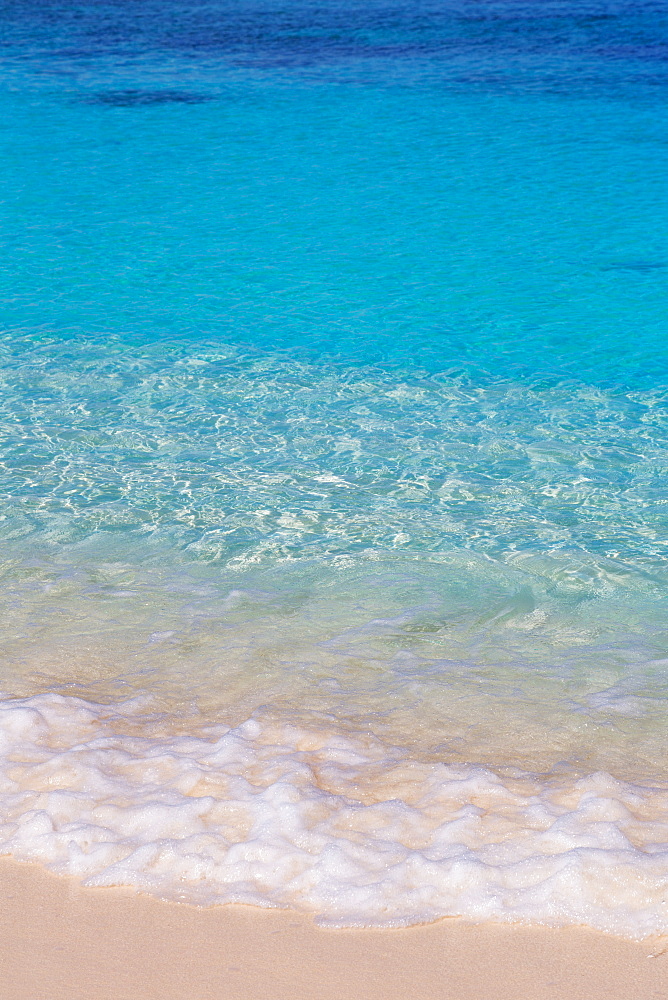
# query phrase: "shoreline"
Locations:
[[66, 942]]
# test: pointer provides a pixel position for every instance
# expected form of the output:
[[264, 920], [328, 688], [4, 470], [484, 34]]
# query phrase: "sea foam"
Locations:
[[349, 829]]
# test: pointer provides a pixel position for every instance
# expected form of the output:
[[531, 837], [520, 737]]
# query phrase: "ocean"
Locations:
[[333, 444]]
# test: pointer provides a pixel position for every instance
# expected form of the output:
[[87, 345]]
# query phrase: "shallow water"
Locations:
[[333, 438]]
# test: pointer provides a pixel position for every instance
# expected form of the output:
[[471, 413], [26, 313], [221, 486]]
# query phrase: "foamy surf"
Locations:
[[351, 830]]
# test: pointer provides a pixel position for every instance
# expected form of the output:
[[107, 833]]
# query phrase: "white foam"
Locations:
[[349, 829]]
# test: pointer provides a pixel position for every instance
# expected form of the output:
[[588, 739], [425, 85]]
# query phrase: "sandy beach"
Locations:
[[63, 942]]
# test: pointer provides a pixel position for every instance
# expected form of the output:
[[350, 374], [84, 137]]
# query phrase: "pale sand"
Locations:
[[61, 942]]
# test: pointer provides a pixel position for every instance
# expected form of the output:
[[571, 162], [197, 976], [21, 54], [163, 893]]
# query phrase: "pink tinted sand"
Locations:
[[59, 941]]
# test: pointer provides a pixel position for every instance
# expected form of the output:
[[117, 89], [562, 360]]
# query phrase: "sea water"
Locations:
[[333, 442]]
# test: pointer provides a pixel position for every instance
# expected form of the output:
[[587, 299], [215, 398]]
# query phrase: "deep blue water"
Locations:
[[459, 187]]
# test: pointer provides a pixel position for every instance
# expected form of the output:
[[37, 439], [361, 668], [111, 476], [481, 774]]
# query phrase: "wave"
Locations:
[[349, 828]]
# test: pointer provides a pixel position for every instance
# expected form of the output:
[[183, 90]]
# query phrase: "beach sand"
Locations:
[[59, 941]]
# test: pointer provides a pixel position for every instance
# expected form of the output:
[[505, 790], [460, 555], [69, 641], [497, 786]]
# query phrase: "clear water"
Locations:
[[333, 439]]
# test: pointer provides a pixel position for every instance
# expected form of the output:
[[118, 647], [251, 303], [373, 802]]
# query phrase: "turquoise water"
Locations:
[[333, 407]]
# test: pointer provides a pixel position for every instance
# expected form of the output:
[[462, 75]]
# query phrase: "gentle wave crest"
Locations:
[[348, 829]]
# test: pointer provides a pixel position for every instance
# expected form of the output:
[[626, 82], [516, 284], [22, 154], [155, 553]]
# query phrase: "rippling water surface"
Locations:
[[333, 433]]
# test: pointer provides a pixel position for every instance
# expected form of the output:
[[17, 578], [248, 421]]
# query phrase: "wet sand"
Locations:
[[59, 941]]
